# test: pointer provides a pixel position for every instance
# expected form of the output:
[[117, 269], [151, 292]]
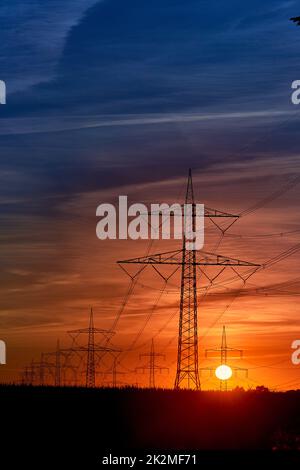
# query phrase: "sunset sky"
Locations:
[[121, 97]]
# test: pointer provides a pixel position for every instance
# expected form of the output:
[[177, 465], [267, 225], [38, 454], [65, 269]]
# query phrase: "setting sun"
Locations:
[[223, 372]]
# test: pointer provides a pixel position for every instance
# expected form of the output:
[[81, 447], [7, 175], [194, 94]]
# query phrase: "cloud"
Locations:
[[33, 34], [15, 126]]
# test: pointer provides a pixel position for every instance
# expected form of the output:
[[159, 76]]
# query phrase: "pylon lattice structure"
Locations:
[[60, 365], [114, 374], [187, 375], [224, 350], [151, 366], [91, 349]]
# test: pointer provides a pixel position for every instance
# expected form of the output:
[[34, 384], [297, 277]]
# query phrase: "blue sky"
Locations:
[[77, 70]]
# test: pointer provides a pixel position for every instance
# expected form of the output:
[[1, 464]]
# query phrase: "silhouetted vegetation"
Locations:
[[90, 422]]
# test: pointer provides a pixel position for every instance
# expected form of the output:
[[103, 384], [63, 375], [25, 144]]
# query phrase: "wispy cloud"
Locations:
[[59, 124], [27, 30]]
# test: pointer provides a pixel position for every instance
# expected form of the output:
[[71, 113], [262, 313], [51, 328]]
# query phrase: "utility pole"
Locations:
[[224, 350], [187, 375], [151, 366]]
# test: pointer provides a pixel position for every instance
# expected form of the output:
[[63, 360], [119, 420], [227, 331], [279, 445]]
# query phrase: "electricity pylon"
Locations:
[[91, 349], [114, 383], [187, 355], [42, 370], [151, 366], [58, 366], [224, 350], [28, 375], [57, 381]]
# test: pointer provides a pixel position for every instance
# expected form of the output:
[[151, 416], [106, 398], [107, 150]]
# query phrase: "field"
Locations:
[[47, 424]]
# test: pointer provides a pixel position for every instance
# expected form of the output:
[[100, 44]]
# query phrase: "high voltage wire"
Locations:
[[275, 195], [263, 235], [246, 212], [269, 263]]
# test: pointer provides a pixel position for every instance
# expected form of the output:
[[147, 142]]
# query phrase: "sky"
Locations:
[[119, 97]]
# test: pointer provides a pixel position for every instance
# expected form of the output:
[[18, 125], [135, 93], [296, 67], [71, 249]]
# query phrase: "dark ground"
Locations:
[[42, 425]]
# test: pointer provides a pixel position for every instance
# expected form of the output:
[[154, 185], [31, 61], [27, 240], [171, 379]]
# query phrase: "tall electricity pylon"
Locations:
[[151, 366], [187, 356], [224, 350], [91, 349]]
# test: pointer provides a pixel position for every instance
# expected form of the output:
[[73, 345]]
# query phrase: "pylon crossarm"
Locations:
[[208, 212], [212, 279], [168, 257], [75, 333], [213, 213], [202, 259], [211, 259], [235, 350], [224, 229], [96, 348], [132, 277], [247, 275], [165, 278], [212, 351]]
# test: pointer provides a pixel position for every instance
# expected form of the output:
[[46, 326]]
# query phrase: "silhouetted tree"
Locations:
[[261, 388]]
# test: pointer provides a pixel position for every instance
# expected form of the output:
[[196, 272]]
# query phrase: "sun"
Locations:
[[223, 372]]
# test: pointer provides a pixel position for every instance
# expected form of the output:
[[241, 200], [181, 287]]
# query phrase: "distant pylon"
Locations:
[[54, 365], [114, 373], [57, 380], [32, 373], [42, 370], [91, 348], [151, 366], [90, 366], [224, 350], [25, 376]]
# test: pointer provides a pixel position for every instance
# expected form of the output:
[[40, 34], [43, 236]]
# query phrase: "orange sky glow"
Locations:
[[62, 269]]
